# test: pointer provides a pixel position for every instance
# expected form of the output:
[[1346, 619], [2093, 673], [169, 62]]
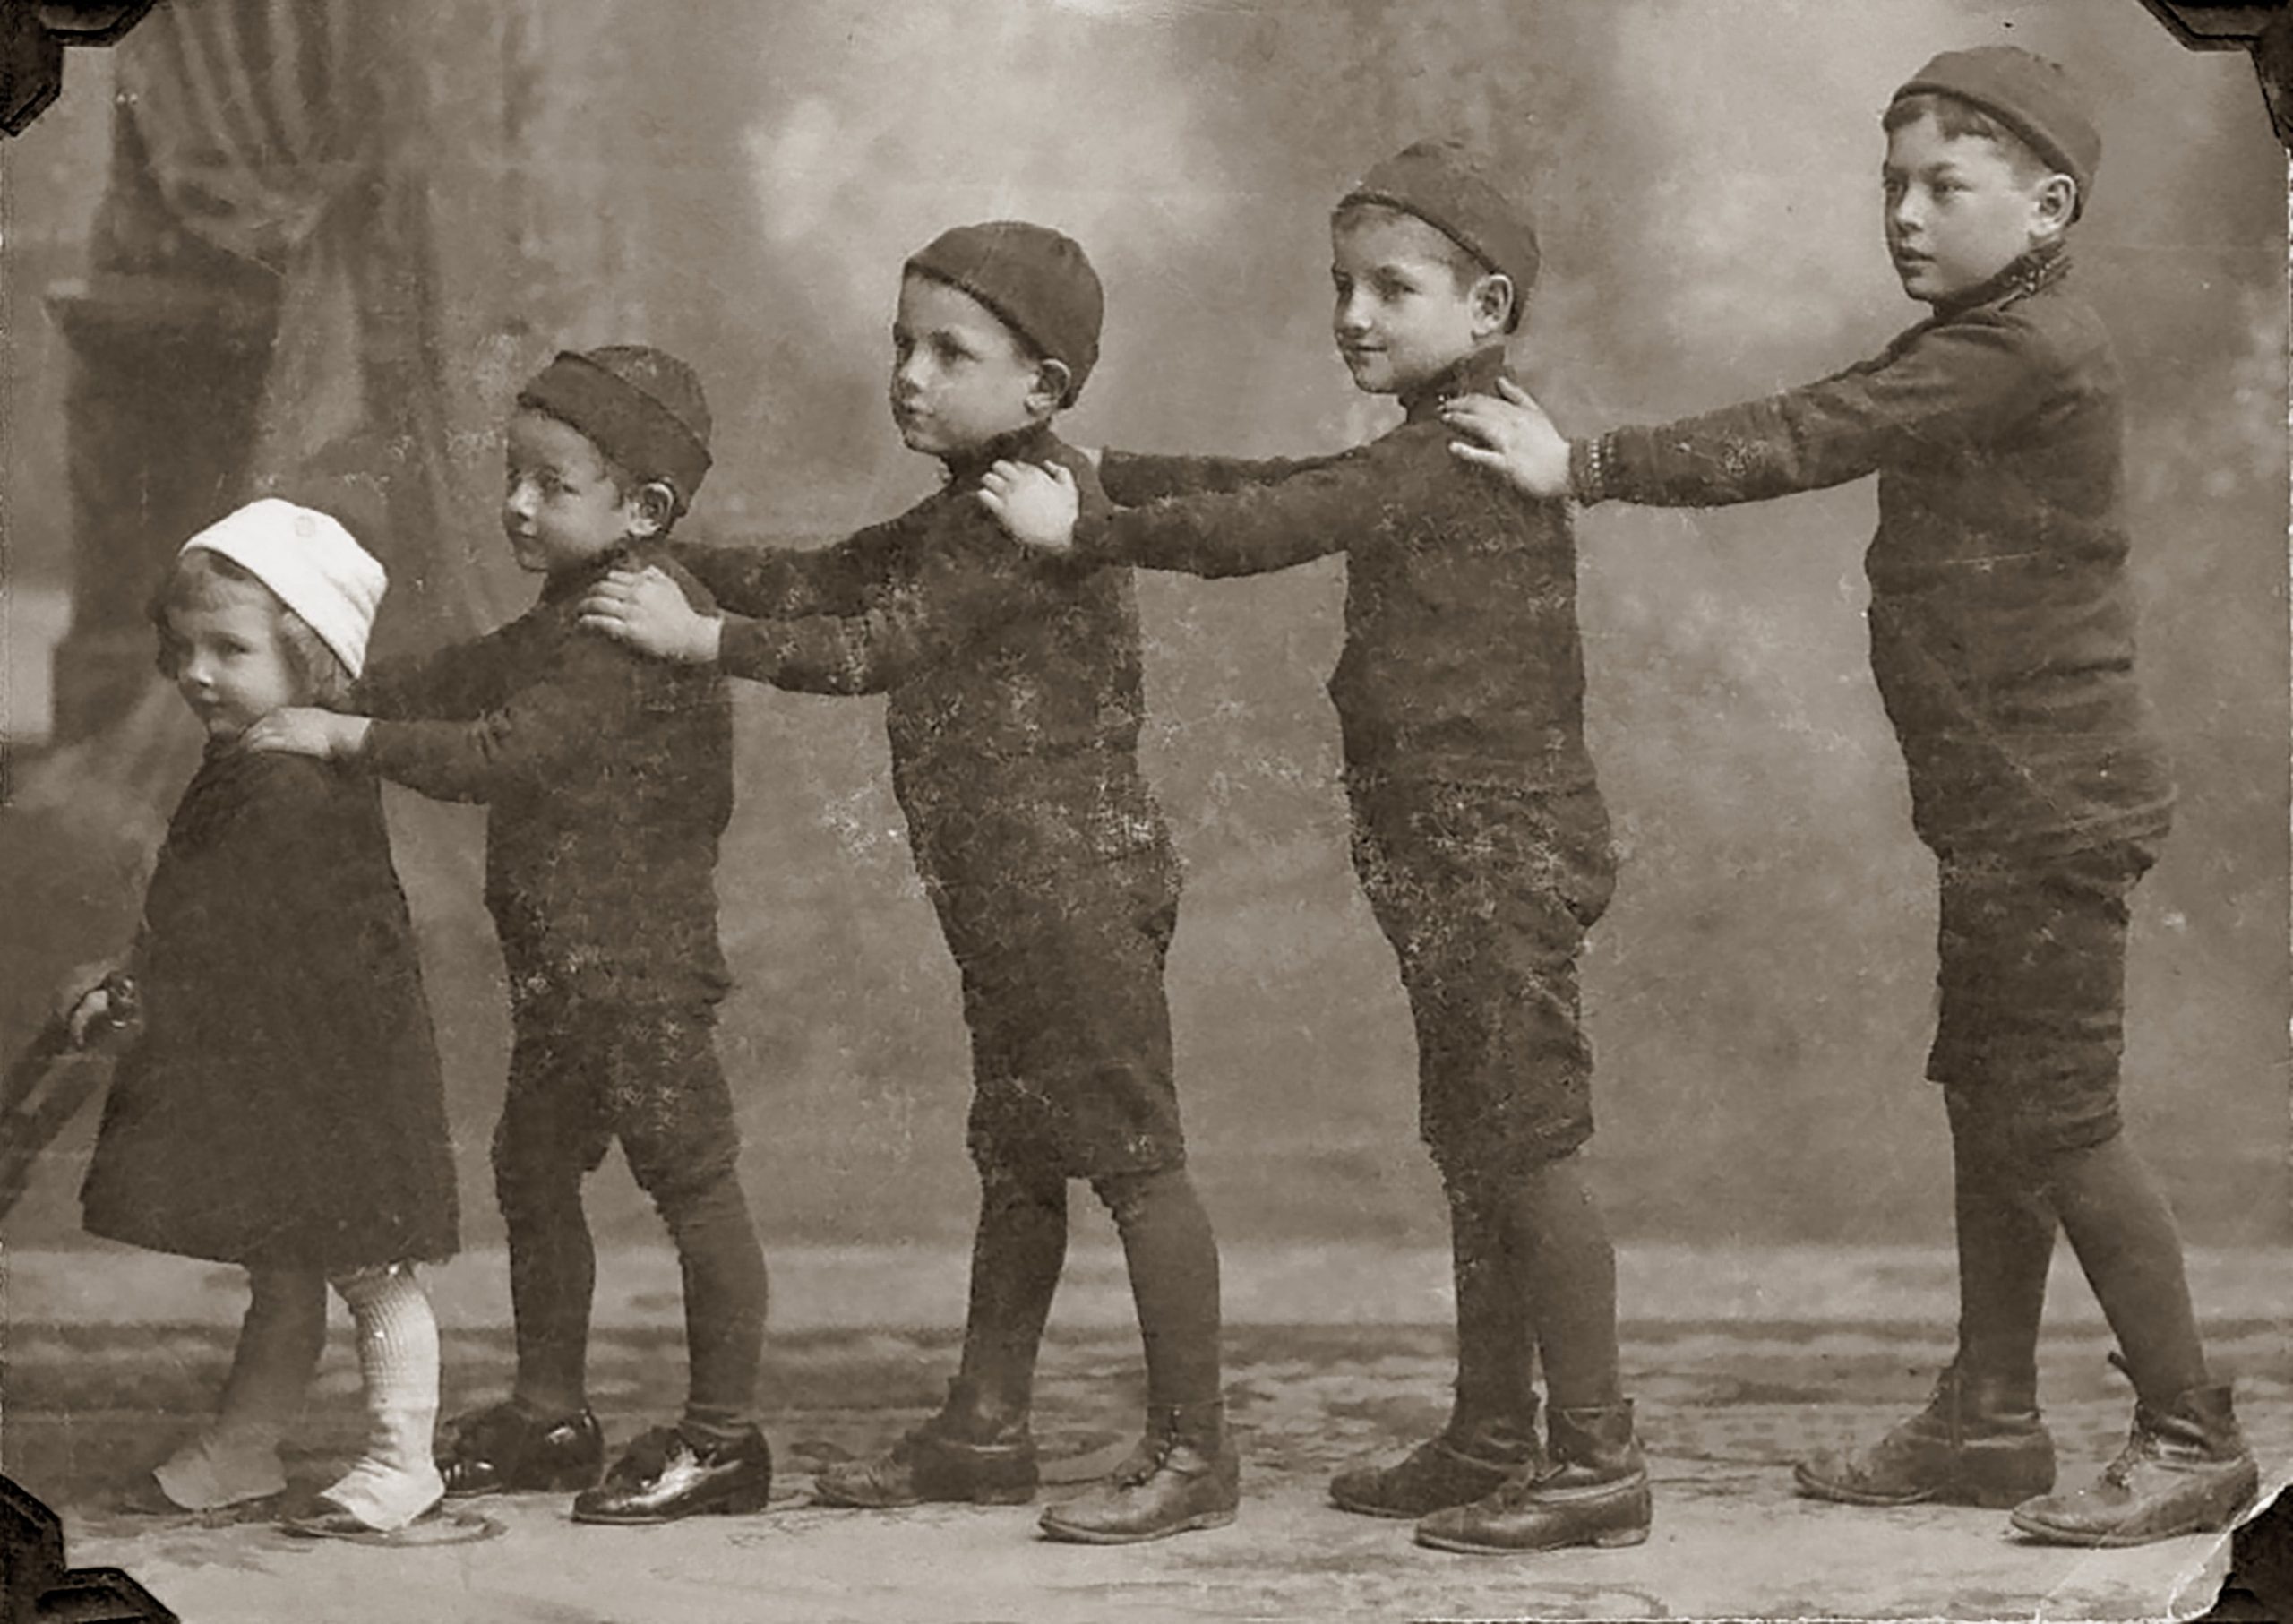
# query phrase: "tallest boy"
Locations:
[[2002, 639]]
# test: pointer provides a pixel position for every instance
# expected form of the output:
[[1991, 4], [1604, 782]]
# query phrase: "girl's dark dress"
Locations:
[[283, 1106]]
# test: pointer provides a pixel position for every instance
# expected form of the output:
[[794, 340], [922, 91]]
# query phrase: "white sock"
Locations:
[[397, 1479]]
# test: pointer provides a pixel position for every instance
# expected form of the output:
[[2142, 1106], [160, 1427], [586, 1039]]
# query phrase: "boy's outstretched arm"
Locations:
[[908, 624], [1133, 478], [1942, 388], [761, 579], [1250, 530], [532, 737]]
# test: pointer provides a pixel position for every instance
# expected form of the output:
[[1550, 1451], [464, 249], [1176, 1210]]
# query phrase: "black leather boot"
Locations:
[[668, 1474], [502, 1449], [2184, 1469], [960, 1455], [1977, 1443], [1591, 1489], [1184, 1475], [1455, 1467]]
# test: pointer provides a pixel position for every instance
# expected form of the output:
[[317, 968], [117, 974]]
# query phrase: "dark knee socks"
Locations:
[[1015, 1258], [1567, 1273], [2127, 1243], [2005, 1240], [1173, 1260], [1497, 1363], [552, 1276], [2120, 1229], [725, 1295]]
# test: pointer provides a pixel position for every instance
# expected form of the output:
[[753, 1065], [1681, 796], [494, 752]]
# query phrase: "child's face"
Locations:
[[1401, 320], [231, 666], [960, 377], [1960, 210], [560, 507]]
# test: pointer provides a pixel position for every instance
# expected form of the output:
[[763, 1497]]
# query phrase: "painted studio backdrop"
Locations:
[[313, 247]]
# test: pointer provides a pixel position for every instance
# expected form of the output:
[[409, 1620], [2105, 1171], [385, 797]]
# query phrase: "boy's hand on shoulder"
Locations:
[[303, 730], [650, 611], [1037, 505], [1509, 432]]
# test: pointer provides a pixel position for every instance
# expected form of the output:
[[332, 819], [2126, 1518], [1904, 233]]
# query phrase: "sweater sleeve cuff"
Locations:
[[747, 649], [1588, 468]]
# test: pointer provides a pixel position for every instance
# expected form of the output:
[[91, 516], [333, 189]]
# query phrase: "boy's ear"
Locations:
[[2057, 202], [1052, 379], [651, 506], [1495, 301]]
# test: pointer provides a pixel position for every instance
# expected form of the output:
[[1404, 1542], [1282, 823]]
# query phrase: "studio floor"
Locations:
[[1740, 1360]]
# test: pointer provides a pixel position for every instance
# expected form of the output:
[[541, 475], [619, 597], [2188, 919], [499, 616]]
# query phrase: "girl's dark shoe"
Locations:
[[1975, 1444], [502, 1449], [666, 1475], [1456, 1467], [2184, 1469], [1184, 1475], [1591, 1490], [936, 1461]]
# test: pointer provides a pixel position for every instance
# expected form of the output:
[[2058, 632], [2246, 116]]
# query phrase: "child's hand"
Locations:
[[1513, 435], [650, 611], [1038, 505], [302, 730], [105, 1005]]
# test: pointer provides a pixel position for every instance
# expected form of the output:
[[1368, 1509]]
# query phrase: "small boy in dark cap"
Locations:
[[1015, 701], [1479, 831], [608, 781], [2002, 637]]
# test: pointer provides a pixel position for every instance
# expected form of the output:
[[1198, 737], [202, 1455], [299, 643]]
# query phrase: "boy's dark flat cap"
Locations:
[[1039, 282], [2032, 97], [1449, 188], [643, 408]]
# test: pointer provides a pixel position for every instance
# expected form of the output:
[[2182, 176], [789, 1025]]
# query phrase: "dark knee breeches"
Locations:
[[1070, 1029], [1487, 896], [2032, 972]]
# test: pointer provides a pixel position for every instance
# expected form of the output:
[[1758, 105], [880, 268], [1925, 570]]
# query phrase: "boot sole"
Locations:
[[1615, 1539], [2000, 1498], [1366, 1509], [1069, 1535], [2048, 1533], [975, 1496], [746, 1502]]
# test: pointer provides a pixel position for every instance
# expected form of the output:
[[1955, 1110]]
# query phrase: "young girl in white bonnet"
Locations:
[[281, 1107]]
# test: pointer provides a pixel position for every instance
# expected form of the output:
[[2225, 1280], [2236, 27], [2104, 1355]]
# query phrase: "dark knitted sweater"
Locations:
[[1014, 680], [607, 779], [1462, 661], [2002, 617]]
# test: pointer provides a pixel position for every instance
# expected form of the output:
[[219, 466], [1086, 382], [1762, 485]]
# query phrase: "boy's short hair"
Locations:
[[642, 408], [1037, 282], [1449, 187], [2030, 105], [1464, 266], [202, 576], [1959, 120]]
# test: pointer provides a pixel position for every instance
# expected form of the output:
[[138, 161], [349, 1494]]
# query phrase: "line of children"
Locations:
[[281, 1106], [2002, 638], [2001, 641], [1479, 831], [1014, 702], [607, 780]]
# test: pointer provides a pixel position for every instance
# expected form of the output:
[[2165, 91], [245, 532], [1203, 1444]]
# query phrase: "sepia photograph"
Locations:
[[1151, 811]]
